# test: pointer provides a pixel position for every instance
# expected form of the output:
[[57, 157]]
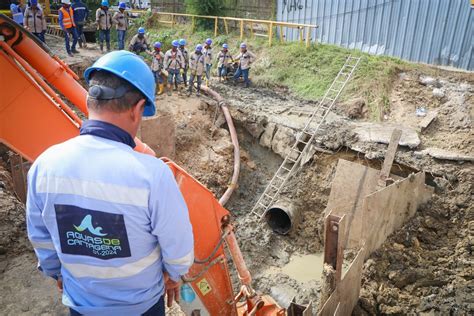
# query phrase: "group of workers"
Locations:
[[177, 62], [72, 20]]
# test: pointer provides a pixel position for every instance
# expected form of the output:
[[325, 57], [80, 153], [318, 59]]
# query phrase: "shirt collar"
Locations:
[[108, 131]]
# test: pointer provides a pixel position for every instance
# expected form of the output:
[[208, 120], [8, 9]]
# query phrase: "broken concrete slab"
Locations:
[[381, 133], [282, 141], [428, 119], [267, 136], [444, 154]]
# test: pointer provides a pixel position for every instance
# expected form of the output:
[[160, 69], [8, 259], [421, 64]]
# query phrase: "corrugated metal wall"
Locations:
[[430, 31]]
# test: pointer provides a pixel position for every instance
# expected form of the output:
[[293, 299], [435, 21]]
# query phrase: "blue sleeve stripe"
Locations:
[[43, 245], [183, 261], [79, 270], [107, 192]]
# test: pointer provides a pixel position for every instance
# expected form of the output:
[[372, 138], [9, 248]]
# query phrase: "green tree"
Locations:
[[204, 7]]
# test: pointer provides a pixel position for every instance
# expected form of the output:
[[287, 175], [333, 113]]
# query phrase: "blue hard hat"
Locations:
[[199, 47], [131, 68], [122, 5], [141, 30], [182, 42], [208, 41], [157, 45], [225, 46], [243, 45], [104, 3], [175, 43], [34, 2]]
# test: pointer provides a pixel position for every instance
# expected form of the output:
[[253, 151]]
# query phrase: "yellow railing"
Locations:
[[304, 29], [53, 19], [242, 25]]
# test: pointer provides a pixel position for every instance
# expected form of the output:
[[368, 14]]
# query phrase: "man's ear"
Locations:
[[136, 112]]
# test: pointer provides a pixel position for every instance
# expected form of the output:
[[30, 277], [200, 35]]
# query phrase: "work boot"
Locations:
[[75, 51], [161, 88], [108, 47], [198, 93], [189, 93], [101, 48], [70, 54], [80, 44], [168, 91]]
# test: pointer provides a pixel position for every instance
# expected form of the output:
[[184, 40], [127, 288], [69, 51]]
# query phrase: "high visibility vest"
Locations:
[[68, 17]]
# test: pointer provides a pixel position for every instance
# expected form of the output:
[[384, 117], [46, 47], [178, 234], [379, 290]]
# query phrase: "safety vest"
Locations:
[[68, 17]]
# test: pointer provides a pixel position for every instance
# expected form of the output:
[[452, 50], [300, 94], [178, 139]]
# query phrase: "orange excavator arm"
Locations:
[[33, 117]]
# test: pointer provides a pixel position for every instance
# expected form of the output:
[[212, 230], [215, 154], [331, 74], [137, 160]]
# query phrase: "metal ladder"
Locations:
[[305, 137]]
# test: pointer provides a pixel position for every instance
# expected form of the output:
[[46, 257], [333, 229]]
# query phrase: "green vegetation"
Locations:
[[204, 7], [307, 73]]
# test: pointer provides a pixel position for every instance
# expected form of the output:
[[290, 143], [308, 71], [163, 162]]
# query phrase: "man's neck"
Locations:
[[116, 119]]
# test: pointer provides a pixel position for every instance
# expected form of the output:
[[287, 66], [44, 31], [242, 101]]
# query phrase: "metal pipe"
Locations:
[[282, 217], [242, 270], [235, 142]]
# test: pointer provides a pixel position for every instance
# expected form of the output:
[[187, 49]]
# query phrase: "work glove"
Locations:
[[181, 71]]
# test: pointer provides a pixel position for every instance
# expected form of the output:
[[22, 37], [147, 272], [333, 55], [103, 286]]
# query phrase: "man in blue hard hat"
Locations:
[[81, 12], [207, 52], [120, 19], [223, 61], [245, 58], [197, 67], [34, 20], [157, 66], [103, 18], [109, 223], [184, 52], [139, 42], [174, 63]]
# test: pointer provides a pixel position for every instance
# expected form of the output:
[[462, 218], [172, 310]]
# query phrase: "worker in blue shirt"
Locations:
[[81, 12], [16, 11], [107, 222]]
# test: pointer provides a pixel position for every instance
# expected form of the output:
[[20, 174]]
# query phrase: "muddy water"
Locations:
[[304, 268]]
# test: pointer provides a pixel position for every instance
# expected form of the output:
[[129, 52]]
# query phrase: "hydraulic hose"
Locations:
[[235, 142]]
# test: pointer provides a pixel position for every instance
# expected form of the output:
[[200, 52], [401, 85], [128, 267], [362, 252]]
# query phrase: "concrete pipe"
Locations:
[[282, 217]]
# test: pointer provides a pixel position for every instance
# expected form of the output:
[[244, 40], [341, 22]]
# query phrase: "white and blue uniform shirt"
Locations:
[[109, 220]]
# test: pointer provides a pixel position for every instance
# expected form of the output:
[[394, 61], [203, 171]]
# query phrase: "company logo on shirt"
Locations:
[[92, 233], [87, 224]]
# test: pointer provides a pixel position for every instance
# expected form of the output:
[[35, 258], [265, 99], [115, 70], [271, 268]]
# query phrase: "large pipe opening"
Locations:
[[282, 217]]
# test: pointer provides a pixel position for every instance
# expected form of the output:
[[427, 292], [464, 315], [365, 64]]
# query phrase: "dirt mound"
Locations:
[[12, 218]]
